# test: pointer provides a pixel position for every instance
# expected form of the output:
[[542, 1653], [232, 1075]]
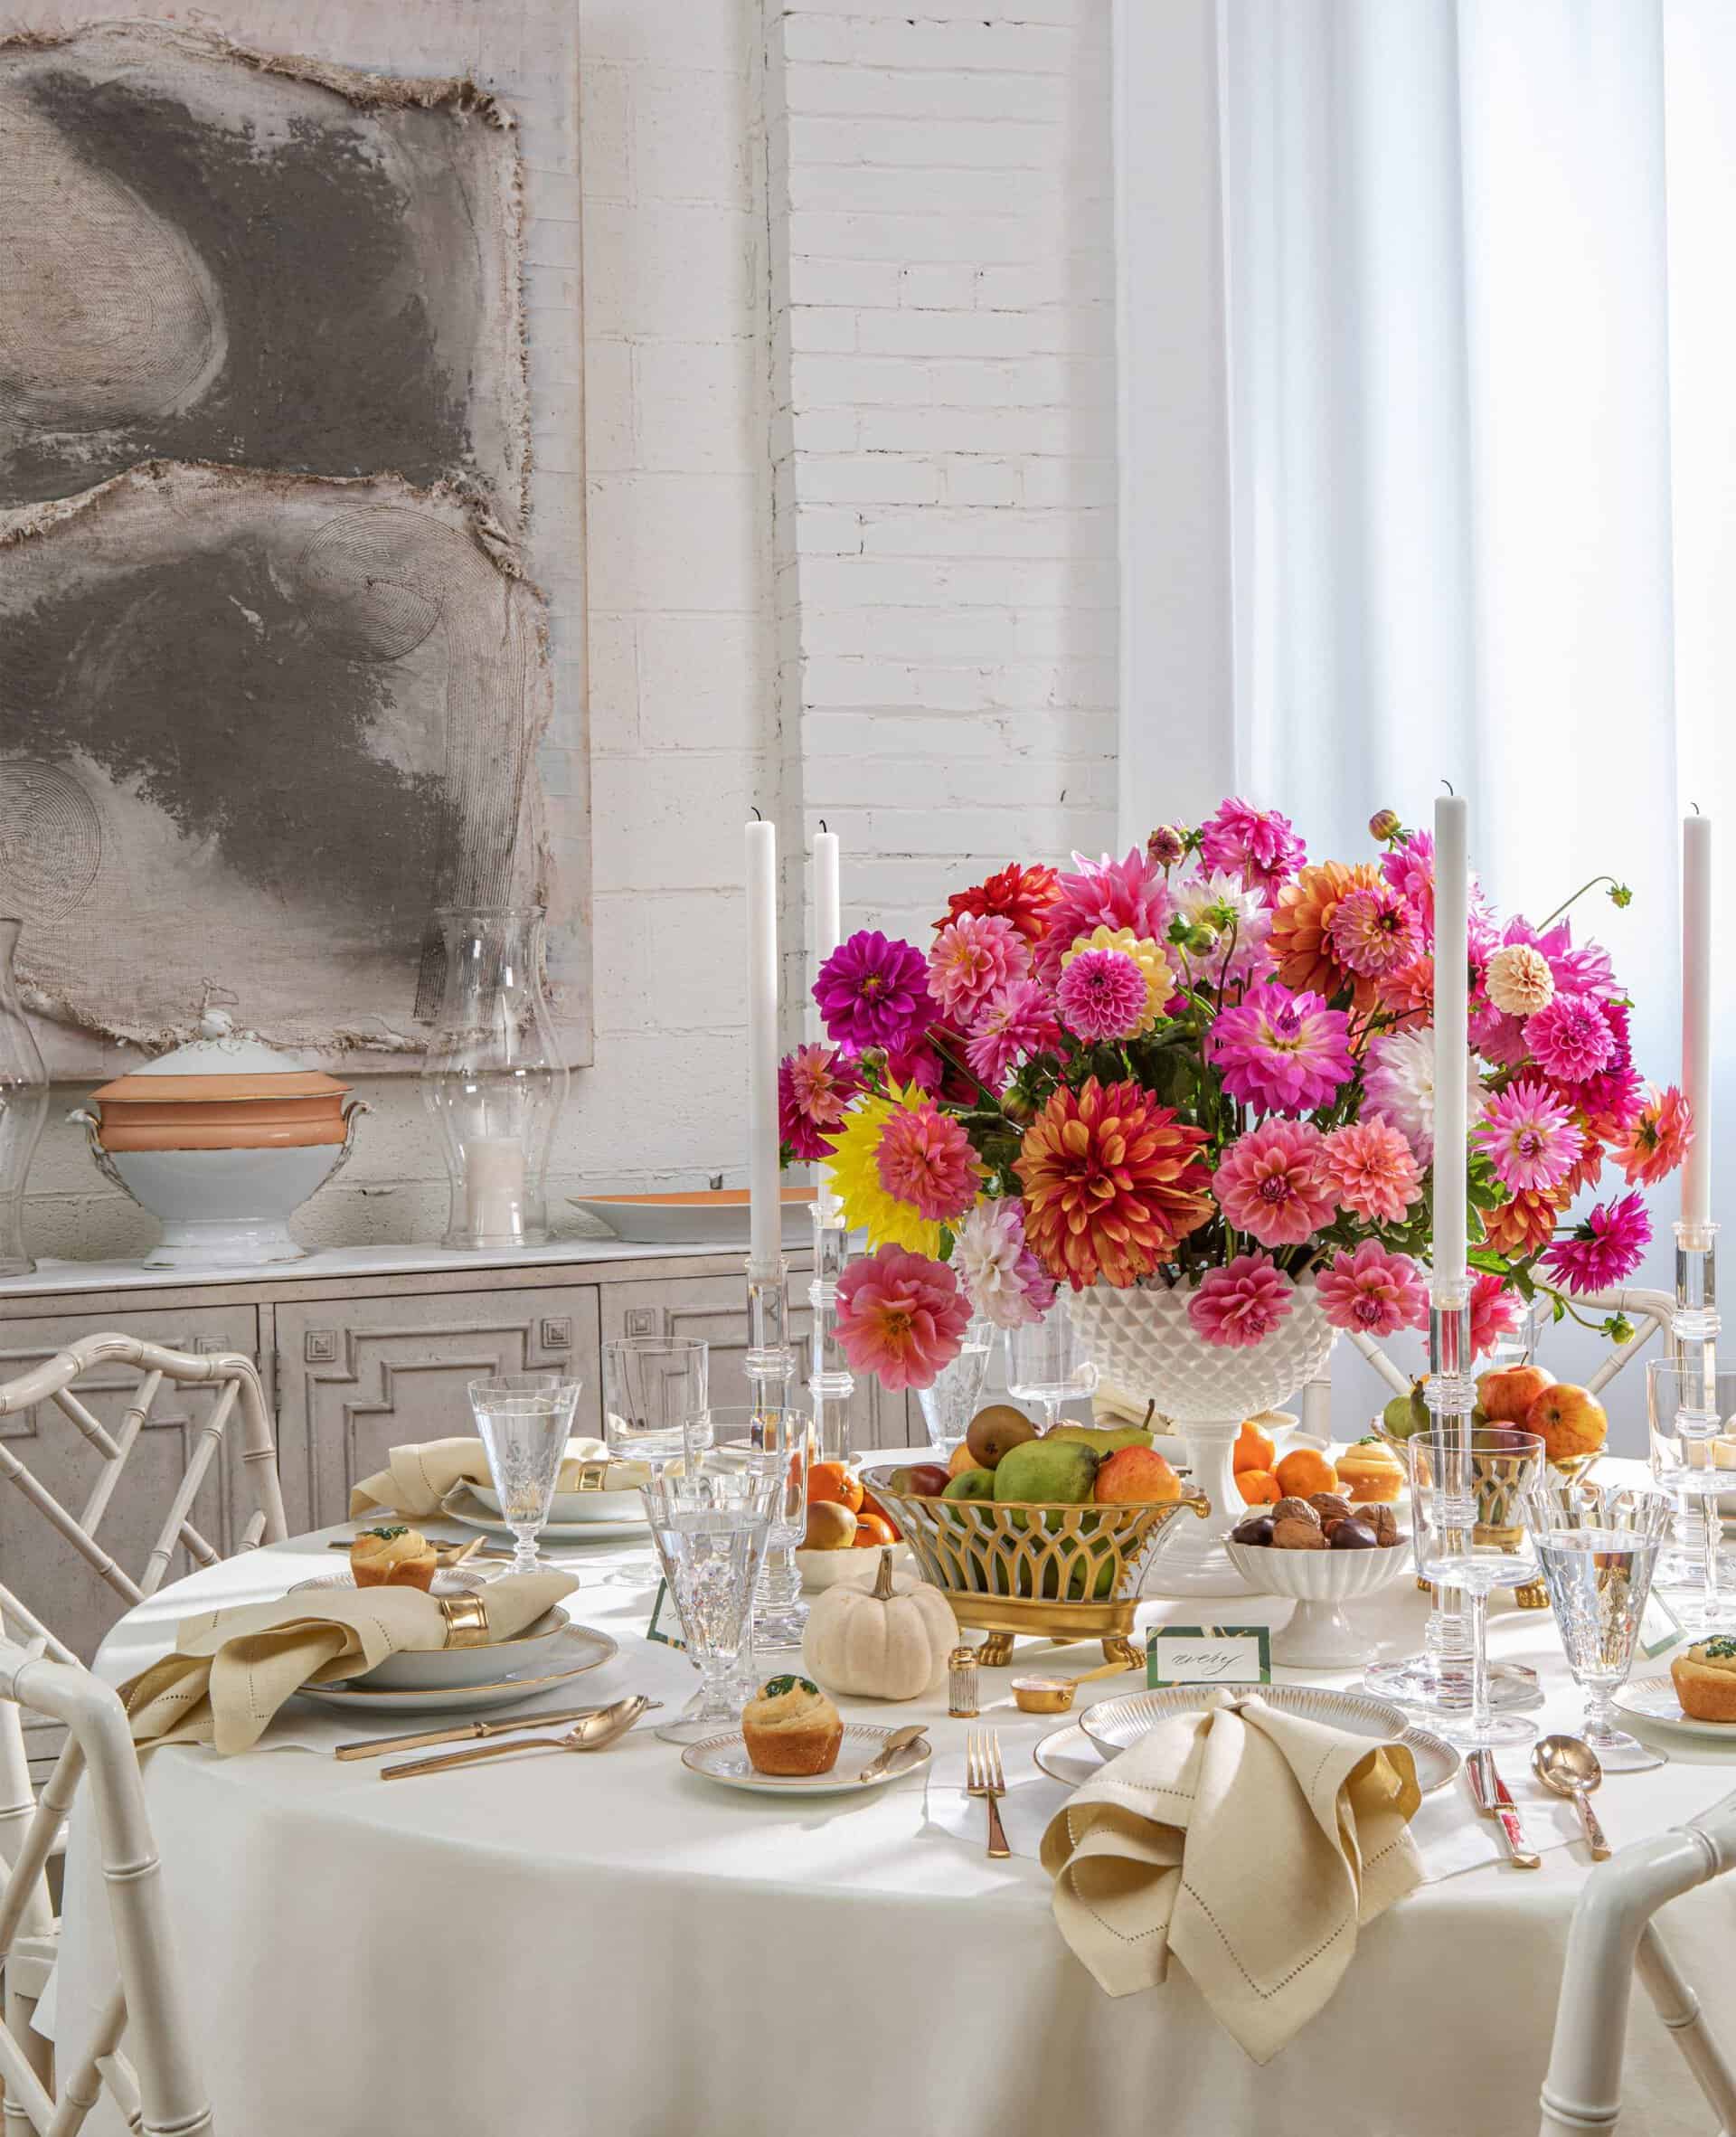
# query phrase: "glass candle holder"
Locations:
[[493, 1079], [23, 1107]]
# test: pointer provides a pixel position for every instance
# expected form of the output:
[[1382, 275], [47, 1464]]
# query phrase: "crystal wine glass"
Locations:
[[950, 1404], [1046, 1363], [1475, 1478], [1599, 1548], [523, 1420], [776, 1438], [651, 1386], [710, 1518], [1693, 1414]]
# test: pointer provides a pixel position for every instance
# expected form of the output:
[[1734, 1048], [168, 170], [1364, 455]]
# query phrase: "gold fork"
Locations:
[[984, 1777]]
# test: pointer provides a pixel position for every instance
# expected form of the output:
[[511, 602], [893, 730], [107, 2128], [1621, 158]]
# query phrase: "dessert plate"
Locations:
[[1112, 1725], [725, 1759], [461, 1504], [578, 1649], [1653, 1699]]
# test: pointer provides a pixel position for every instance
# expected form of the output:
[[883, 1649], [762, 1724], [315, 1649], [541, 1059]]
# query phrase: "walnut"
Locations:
[[1384, 1522], [1295, 1510], [1330, 1508], [1295, 1535]]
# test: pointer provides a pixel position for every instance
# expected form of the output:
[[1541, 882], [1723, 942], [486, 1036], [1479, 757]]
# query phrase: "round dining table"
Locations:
[[611, 1945]]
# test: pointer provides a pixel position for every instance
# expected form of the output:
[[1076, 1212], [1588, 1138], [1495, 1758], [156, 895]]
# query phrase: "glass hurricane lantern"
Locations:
[[23, 1107]]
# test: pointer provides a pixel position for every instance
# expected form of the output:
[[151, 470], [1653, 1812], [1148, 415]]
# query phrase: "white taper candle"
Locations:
[[1452, 1034], [828, 931], [1696, 1013], [764, 1212]]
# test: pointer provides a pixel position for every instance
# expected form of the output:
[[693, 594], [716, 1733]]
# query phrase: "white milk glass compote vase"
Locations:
[[523, 1420], [1049, 1364], [1142, 1339], [710, 1519], [1599, 1549], [652, 1386]]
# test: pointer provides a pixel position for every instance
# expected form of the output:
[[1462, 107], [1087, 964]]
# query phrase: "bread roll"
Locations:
[[1705, 1679], [790, 1726], [394, 1557]]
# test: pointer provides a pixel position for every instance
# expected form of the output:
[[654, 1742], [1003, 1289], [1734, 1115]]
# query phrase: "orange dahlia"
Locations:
[[1526, 1223], [1111, 1181], [1300, 942]]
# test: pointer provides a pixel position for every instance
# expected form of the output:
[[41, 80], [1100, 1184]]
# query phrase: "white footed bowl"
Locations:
[[1320, 1634]]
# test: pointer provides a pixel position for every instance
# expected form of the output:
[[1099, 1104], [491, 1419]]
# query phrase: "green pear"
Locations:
[[1063, 1470], [1103, 1439], [973, 1484], [1406, 1415]]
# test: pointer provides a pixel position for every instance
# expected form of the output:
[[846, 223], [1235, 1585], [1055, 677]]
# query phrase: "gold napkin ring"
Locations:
[[466, 1619], [591, 1476]]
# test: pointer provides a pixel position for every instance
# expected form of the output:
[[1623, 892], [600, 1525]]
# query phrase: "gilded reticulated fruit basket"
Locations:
[[1044, 1569]]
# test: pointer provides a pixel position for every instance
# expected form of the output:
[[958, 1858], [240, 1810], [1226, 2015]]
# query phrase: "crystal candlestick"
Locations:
[[1689, 1415], [830, 1382], [780, 1614]]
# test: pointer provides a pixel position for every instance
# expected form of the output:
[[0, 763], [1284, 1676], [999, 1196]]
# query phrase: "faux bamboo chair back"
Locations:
[[155, 2085]]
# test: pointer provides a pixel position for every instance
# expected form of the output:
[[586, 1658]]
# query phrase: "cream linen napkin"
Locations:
[[1249, 1844], [417, 1479], [232, 1670], [1112, 1406]]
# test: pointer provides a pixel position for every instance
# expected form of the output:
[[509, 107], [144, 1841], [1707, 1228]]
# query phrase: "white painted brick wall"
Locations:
[[848, 429]]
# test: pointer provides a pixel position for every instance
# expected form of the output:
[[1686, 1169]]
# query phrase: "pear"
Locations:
[[1103, 1439], [1406, 1415], [994, 1431], [1063, 1470], [971, 1484]]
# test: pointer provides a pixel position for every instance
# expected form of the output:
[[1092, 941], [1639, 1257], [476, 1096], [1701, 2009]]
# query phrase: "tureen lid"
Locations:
[[221, 1064]]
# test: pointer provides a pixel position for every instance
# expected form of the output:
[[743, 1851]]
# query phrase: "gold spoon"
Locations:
[[591, 1734], [1569, 1767]]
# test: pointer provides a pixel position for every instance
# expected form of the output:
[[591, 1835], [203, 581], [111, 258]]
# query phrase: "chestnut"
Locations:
[[1353, 1536], [1256, 1530]]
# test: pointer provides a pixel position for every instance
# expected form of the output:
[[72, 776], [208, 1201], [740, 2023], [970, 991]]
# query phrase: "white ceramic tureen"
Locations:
[[220, 1140]]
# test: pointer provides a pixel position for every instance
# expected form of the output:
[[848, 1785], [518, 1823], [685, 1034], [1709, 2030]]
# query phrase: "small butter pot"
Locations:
[[1044, 1695]]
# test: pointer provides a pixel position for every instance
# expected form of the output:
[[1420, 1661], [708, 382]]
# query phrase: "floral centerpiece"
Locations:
[[1208, 1069]]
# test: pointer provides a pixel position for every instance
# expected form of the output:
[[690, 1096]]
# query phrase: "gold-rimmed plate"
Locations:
[[725, 1759], [1654, 1699], [1114, 1725], [579, 1647], [462, 1505]]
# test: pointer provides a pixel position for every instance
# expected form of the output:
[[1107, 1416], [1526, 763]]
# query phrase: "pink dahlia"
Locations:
[[1582, 970], [1284, 1052], [972, 957], [1372, 1170], [1240, 1305], [873, 992], [1606, 1249], [1003, 1279], [1258, 845], [1274, 1183], [1375, 933], [1131, 893], [1102, 994], [900, 1317], [1570, 1039], [1373, 1290], [814, 1087], [1410, 869], [1014, 1023], [1658, 1139], [925, 1159], [1529, 1138], [1495, 1313]]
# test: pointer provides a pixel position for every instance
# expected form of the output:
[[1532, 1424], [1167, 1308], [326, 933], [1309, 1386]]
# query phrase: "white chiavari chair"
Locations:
[[55, 1384], [156, 2084]]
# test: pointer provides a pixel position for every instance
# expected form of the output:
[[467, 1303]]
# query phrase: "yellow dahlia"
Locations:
[[1150, 956], [1111, 1181], [1301, 938], [899, 1166]]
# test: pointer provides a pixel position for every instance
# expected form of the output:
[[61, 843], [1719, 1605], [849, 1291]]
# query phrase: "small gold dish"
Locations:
[[1044, 1695]]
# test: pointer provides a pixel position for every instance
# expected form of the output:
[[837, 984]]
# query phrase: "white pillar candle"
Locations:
[[765, 1215], [493, 1188], [1452, 1034], [1696, 1014]]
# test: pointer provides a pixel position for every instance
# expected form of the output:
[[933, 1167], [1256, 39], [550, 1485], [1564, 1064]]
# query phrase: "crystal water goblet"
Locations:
[[950, 1404], [1598, 1548], [523, 1420], [1475, 1479], [1692, 1418], [710, 1518], [775, 1437], [1047, 1363], [651, 1386]]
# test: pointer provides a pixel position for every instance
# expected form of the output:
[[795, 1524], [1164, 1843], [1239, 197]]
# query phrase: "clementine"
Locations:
[[1303, 1472], [1254, 1448], [871, 1505], [1258, 1488], [873, 1528], [831, 1480]]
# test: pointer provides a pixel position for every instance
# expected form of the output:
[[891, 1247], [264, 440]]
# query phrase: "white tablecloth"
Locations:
[[555, 1945]]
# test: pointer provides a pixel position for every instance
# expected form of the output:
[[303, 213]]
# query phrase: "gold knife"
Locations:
[[372, 1747]]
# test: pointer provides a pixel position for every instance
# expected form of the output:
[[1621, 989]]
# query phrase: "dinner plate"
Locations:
[[579, 1649], [1068, 1754], [1112, 1725], [706, 1217], [461, 1504], [1653, 1699], [585, 1508], [725, 1758]]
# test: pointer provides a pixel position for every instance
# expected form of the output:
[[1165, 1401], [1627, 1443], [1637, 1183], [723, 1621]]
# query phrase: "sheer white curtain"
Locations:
[[1480, 343]]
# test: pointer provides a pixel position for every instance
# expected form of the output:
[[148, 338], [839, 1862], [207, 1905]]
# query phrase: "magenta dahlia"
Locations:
[[972, 957], [1014, 1023], [1102, 994], [1274, 1183], [1528, 1137], [1373, 1291], [1240, 1305], [1374, 932], [1258, 845], [874, 991], [1410, 869], [814, 1087], [1606, 1249], [1285, 1052], [1570, 1038], [1131, 893]]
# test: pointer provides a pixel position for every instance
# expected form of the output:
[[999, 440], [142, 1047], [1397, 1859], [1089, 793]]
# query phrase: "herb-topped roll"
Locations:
[[1705, 1679], [392, 1557], [790, 1726]]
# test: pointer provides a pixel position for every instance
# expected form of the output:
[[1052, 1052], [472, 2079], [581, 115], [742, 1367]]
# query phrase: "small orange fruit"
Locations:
[[1303, 1472], [870, 1506], [1254, 1448], [1258, 1488], [871, 1528], [831, 1480]]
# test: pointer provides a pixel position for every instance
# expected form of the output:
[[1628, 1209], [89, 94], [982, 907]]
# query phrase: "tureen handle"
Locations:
[[354, 1108], [104, 1163]]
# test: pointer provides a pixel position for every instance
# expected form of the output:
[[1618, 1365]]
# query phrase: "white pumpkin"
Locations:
[[889, 1641]]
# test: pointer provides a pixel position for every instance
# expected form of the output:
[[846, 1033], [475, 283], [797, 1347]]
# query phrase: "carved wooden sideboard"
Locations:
[[360, 1350]]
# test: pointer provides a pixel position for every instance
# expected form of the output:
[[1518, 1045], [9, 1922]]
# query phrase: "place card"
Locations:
[[1659, 1627], [1208, 1655], [655, 1630]]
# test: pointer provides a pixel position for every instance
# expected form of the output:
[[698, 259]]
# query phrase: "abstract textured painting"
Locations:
[[276, 658]]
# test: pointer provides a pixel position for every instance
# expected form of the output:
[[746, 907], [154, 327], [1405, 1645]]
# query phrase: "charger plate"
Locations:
[[1112, 1725], [461, 1504], [579, 1647], [725, 1758]]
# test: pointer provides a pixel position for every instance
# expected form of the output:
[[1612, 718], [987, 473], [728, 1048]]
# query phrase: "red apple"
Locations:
[[1506, 1395], [1569, 1420]]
